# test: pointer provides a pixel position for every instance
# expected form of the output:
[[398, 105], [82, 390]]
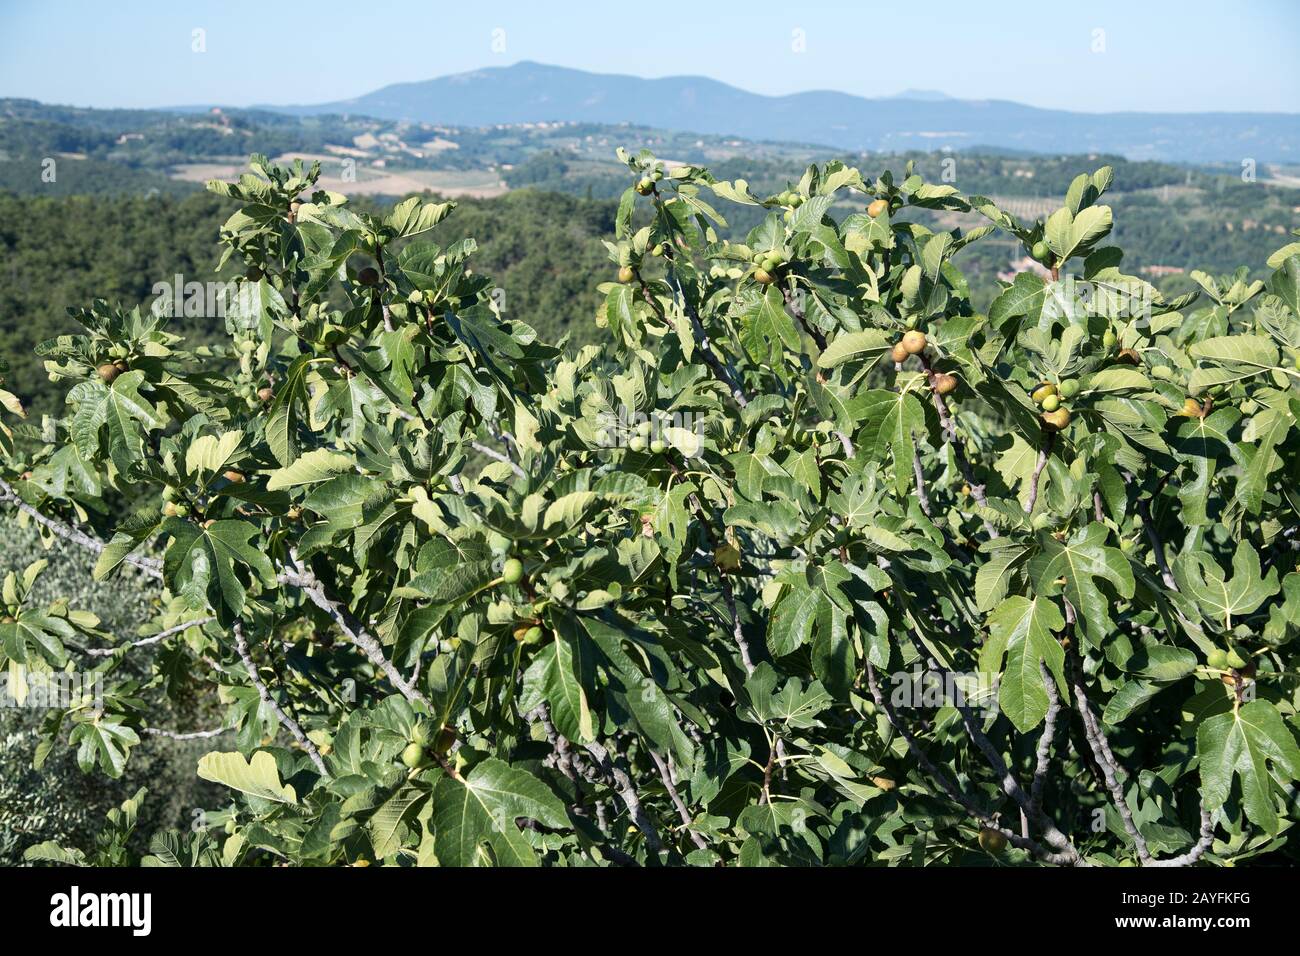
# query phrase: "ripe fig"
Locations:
[[1057, 420], [992, 841], [914, 342], [945, 384], [899, 354], [763, 277], [108, 373], [368, 276], [876, 207], [626, 274]]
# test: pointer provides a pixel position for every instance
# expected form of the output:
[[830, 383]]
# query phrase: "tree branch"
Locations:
[[1045, 741], [152, 639], [302, 577], [150, 566], [682, 812], [287, 722], [504, 459], [623, 784]]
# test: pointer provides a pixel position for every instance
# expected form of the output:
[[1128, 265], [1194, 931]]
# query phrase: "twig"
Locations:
[[682, 812], [623, 783], [287, 722], [737, 632], [983, 816], [922, 498], [1045, 741], [1157, 545], [1038, 471], [949, 425], [1101, 752], [1196, 852], [152, 639], [504, 459], [1006, 780], [192, 735], [302, 577], [150, 566]]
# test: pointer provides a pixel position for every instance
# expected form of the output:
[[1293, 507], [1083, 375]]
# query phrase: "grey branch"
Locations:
[[152, 639], [504, 459], [623, 783], [287, 722], [1038, 471], [682, 812], [191, 735], [979, 813], [302, 577], [1006, 779], [1045, 741], [1197, 851], [1101, 752], [1157, 545], [949, 425], [150, 566], [737, 632]]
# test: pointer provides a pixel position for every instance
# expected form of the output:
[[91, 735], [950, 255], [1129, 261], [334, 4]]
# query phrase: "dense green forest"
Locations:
[[544, 246], [58, 252]]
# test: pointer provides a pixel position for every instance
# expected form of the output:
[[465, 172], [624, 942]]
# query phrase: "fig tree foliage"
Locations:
[[808, 565]]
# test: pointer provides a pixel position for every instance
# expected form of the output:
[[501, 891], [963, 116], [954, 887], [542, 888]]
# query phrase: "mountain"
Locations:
[[534, 92]]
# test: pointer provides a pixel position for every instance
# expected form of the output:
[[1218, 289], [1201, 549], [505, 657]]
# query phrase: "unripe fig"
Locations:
[[914, 342], [645, 186], [626, 274], [1068, 388], [876, 207], [636, 443], [512, 572], [1109, 339], [1217, 658], [1051, 403], [658, 447], [1040, 251], [1235, 660], [414, 757]]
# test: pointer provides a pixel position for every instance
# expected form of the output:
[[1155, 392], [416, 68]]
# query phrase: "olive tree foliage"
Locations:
[[812, 564]]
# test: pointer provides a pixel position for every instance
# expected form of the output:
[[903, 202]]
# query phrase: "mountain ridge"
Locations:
[[914, 119]]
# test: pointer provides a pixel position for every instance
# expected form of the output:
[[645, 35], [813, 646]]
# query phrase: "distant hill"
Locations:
[[534, 92]]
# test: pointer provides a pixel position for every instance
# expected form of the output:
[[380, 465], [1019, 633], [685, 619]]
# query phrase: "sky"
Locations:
[[1147, 55]]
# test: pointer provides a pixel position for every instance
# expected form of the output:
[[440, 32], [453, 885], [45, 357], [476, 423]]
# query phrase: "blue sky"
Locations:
[[1158, 55]]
